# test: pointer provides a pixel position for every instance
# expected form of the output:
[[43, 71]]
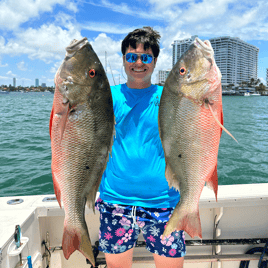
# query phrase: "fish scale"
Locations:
[[81, 131]]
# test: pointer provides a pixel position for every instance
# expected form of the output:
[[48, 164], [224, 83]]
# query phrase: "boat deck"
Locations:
[[240, 213]]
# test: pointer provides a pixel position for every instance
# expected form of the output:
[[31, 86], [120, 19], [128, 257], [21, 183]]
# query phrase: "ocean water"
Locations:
[[25, 154]]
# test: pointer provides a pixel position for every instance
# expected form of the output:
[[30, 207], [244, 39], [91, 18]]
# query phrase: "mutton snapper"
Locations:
[[81, 131], [190, 126]]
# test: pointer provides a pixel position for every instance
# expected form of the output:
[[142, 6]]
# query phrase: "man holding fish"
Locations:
[[164, 149], [134, 193]]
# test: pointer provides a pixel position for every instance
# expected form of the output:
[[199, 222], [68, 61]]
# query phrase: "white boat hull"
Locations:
[[242, 210]]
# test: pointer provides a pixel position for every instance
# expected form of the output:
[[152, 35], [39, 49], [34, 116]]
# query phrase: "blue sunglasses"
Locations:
[[133, 57]]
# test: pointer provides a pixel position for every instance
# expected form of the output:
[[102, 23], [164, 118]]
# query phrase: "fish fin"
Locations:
[[91, 197], [50, 122], [56, 188], [218, 122], [77, 239], [64, 115], [91, 200], [221, 119], [170, 176], [182, 219], [212, 182]]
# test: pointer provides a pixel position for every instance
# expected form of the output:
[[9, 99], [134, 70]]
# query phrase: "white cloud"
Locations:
[[72, 6], [55, 67], [205, 9], [262, 80], [22, 66], [104, 43], [101, 44], [15, 12], [123, 8], [9, 73], [174, 19], [46, 43], [238, 21], [106, 27], [168, 3], [164, 62], [3, 65]]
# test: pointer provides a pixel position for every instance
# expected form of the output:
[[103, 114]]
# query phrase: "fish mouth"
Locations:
[[207, 50], [75, 45], [204, 46]]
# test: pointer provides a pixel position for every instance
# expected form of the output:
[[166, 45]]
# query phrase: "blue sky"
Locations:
[[34, 33]]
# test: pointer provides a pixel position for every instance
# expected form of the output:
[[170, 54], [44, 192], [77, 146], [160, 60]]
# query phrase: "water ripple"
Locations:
[[25, 157]]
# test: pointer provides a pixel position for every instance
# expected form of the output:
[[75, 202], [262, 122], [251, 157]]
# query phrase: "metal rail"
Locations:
[[192, 258], [216, 242], [204, 242], [198, 258]]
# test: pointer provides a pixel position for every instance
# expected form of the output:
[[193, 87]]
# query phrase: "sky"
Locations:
[[34, 33]]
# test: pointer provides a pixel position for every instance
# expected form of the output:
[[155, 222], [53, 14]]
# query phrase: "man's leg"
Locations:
[[117, 235], [167, 251], [164, 262], [120, 260]]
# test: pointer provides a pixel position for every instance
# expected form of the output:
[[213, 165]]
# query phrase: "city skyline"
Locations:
[[33, 36], [236, 59], [35, 85]]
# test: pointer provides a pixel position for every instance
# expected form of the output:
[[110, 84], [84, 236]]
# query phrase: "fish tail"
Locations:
[[56, 187], [184, 220], [77, 239]]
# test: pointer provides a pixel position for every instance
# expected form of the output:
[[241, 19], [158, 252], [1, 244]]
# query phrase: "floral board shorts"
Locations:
[[120, 226]]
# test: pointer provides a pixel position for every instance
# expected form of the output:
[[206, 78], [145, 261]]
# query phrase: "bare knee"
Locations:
[[120, 260], [163, 262]]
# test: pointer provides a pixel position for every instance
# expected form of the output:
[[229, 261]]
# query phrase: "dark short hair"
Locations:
[[147, 36]]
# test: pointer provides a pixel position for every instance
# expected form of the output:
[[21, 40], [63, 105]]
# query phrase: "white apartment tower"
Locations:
[[162, 76], [179, 47], [14, 82], [236, 59]]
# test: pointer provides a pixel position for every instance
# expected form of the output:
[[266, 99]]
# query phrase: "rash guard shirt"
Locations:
[[135, 172]]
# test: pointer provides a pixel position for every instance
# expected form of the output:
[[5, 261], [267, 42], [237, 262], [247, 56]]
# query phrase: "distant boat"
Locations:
[[228, 92], [4, 92], [256, 94], [246, 94]]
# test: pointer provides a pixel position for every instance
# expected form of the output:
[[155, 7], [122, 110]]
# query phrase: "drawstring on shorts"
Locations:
[[134, 215]]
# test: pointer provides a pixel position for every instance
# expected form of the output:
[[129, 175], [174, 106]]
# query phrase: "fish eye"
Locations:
[[182, 71], [92, 73]]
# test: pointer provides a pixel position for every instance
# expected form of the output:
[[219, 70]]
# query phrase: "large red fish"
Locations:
[[81, 131], [190, 125]]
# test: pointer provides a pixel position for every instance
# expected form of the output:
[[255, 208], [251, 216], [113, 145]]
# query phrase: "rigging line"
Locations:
[[111, 72]]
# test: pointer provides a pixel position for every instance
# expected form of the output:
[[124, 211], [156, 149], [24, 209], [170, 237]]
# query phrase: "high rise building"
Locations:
[[36, 82], [266, 76], [179, 47], [162, 76], [14, 82], [43, 85], [236, 59]]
